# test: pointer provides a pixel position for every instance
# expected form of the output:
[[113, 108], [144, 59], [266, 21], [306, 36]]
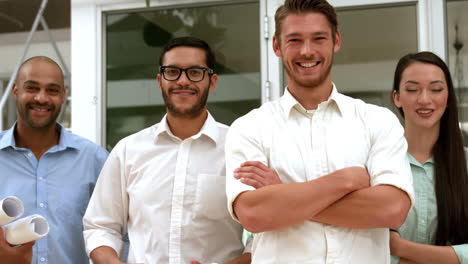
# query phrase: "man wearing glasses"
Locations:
[[165, 185]]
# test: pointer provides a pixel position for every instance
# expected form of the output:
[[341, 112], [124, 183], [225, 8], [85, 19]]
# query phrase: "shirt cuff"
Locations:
[[393, 180], [462, 253], [248, 242], [99, 239]]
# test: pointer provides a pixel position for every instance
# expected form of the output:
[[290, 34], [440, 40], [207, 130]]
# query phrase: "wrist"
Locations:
[[399, 248]]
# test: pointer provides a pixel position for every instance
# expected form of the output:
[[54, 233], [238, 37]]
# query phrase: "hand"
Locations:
[[394, 243], [357, 176], [18, 255], [256, 174]]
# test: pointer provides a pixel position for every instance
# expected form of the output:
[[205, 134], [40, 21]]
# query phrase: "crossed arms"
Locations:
[[342, 198]]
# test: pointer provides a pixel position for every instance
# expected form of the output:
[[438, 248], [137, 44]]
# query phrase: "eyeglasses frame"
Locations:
[[205, 69]]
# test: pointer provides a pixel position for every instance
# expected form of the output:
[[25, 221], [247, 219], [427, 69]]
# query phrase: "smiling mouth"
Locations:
[[424, 112], [40, 109], [184, 92], [308, 64]]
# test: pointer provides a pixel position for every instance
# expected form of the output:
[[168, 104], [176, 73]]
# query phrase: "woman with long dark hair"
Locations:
[[436, 229]]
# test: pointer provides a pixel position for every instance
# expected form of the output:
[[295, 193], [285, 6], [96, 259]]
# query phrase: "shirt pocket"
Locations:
[[210, 199]]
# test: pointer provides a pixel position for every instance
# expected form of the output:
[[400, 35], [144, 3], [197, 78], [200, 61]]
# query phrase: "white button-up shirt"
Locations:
[[304, 145], [169, 195]]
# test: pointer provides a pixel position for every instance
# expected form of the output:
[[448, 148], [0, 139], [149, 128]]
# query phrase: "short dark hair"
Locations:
[[190, 42], [38, 58], [451, 176], [304, 6]]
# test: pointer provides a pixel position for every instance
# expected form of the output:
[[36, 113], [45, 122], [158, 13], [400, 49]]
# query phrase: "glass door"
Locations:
[[133, 43]]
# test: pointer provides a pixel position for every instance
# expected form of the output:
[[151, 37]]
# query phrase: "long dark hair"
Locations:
[[451, 178]]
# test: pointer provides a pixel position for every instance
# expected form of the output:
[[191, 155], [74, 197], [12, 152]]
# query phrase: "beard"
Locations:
[[195, 110], [23, 112]]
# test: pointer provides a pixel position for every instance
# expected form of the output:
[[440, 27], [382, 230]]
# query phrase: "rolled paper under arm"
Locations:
[[10, 208], [26, 230]]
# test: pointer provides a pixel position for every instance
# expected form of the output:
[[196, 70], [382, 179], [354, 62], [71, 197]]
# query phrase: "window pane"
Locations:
[[372, 42], [458, 56], [134, 42]]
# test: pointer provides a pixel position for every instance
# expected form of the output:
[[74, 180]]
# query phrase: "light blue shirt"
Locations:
[[58, 187], [421, 223]]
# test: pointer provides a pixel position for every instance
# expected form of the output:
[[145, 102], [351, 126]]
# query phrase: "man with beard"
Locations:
[[342, 162], [164, 185], [51, 170]]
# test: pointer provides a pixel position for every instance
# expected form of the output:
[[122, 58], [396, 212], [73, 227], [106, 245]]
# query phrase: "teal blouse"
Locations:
[[421, 223]]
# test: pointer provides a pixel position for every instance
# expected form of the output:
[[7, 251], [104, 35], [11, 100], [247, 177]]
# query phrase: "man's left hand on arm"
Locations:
[[256, 174]]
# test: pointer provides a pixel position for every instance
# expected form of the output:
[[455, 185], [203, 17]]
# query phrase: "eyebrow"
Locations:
[[192, 66], [37, 83], [433, 82], [318, 33]]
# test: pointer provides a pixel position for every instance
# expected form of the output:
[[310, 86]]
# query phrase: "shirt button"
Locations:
[[41, 205], [30, 154], [42, 259], [40, 178]]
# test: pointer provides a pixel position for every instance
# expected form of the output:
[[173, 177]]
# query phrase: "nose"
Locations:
[[41, 97], [183, 79], [424, 97], [307, 49]]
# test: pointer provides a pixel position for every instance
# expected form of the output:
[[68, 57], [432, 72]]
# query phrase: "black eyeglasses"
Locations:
[[194, 74]]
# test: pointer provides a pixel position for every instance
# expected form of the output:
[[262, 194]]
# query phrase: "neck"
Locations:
[[311, 97], [186, 126], [421, 141], [37, 140]]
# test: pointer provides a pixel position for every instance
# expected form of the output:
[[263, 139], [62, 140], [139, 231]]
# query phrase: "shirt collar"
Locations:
[[413, 161], [288, 102], [65, 140], [209, 129]]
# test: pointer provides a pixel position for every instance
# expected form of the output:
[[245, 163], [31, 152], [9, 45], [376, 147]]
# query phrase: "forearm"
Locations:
[[373, 207], [244, 259], [425, 254], [406, 261], [104, 255], [278, 206]]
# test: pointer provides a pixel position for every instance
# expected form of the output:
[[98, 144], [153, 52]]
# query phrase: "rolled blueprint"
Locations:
[[26, 229], [10, 208]]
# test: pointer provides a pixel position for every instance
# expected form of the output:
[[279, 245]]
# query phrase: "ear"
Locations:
[[213, 81], [14, 89], [276, 46], [396, 99], [337, 44], [158, 78]]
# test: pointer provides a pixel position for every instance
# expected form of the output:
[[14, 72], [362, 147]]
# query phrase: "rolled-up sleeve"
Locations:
[[105, 220], [388, 161], [242, 144]]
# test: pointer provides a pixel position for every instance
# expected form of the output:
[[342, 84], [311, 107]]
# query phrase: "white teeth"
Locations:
[[424, 111], [309, 65], [40, 110]]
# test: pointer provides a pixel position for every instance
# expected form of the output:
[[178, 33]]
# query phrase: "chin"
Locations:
[[427, 125]]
